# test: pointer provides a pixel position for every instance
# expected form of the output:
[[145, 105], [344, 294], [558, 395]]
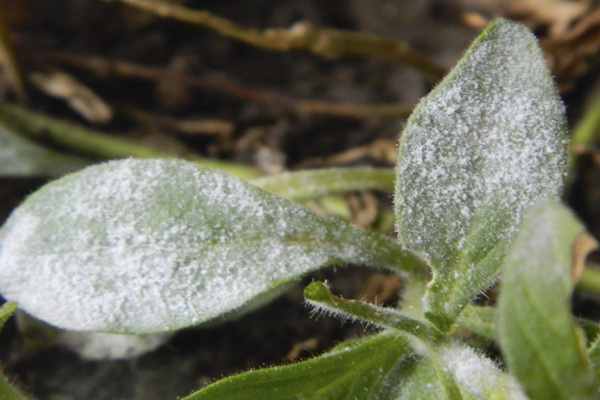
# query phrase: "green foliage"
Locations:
[[149, 246], [21, 157], [141, 246], [481, 148], [8, 391], [357, 369], [531, 321]]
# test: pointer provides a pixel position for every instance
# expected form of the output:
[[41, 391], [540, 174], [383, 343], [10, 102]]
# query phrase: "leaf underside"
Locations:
[[144, 246], [486, 144]]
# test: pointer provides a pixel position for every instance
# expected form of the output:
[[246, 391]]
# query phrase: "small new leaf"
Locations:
[[542, 345], [318, 296], [355, 370], [7, 390], [147, 246], [453, 372], [6, 311], [482, 147]]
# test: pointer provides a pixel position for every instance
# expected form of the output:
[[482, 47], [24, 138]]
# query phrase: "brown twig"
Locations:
[[328, 43], [8, 60], [203, 127], [217, 83]]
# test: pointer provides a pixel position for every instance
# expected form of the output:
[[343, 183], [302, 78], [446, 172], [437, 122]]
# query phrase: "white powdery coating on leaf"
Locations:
[[477, 374], [490, 137], [141, 246]]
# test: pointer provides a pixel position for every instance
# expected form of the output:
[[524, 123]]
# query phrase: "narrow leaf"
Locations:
[[7, 390], [481, 148], [6, 311], [146, 246], [542, 345], [319, 297], [352, 370]]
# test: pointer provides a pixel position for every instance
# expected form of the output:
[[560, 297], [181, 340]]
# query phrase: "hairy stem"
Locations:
[[312, 184], [319, 296]]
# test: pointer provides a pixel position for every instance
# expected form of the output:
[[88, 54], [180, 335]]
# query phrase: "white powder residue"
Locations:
[[142, 246], [478, 375], [490, 139]]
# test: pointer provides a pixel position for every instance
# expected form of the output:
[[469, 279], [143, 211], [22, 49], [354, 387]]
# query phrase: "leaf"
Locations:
[[8, 391], [21, 157], [542, 345], [479, 320], [38, 335], [452, 371], [476, 376], [147, 246], [481, 148], [320, 298], [594, 354], [6, 311], [458, 371], [354, 370]]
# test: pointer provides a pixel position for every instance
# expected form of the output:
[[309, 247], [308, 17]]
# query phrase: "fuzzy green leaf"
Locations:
[[479, 320], [476, 376], [452, 372], [145, 246], [542, 345], [7, 390], [594, 354], [318, 296], [6, 311], [22, 157], [482, 147], [354, 370]]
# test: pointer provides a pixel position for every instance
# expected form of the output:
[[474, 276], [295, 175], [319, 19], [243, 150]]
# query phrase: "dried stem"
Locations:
[[217, 83], [328, 43], [9, 62]]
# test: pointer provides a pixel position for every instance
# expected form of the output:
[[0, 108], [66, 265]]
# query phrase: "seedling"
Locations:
[[152, 246]]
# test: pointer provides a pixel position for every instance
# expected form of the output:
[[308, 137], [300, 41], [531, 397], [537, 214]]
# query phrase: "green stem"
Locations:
[[585, 133], [318, 295], [42, 128], [590, 281], [312, 184]]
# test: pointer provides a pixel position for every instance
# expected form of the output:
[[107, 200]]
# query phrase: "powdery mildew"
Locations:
[[478, 375], [484, 146], [141, 246], [492, 132]]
